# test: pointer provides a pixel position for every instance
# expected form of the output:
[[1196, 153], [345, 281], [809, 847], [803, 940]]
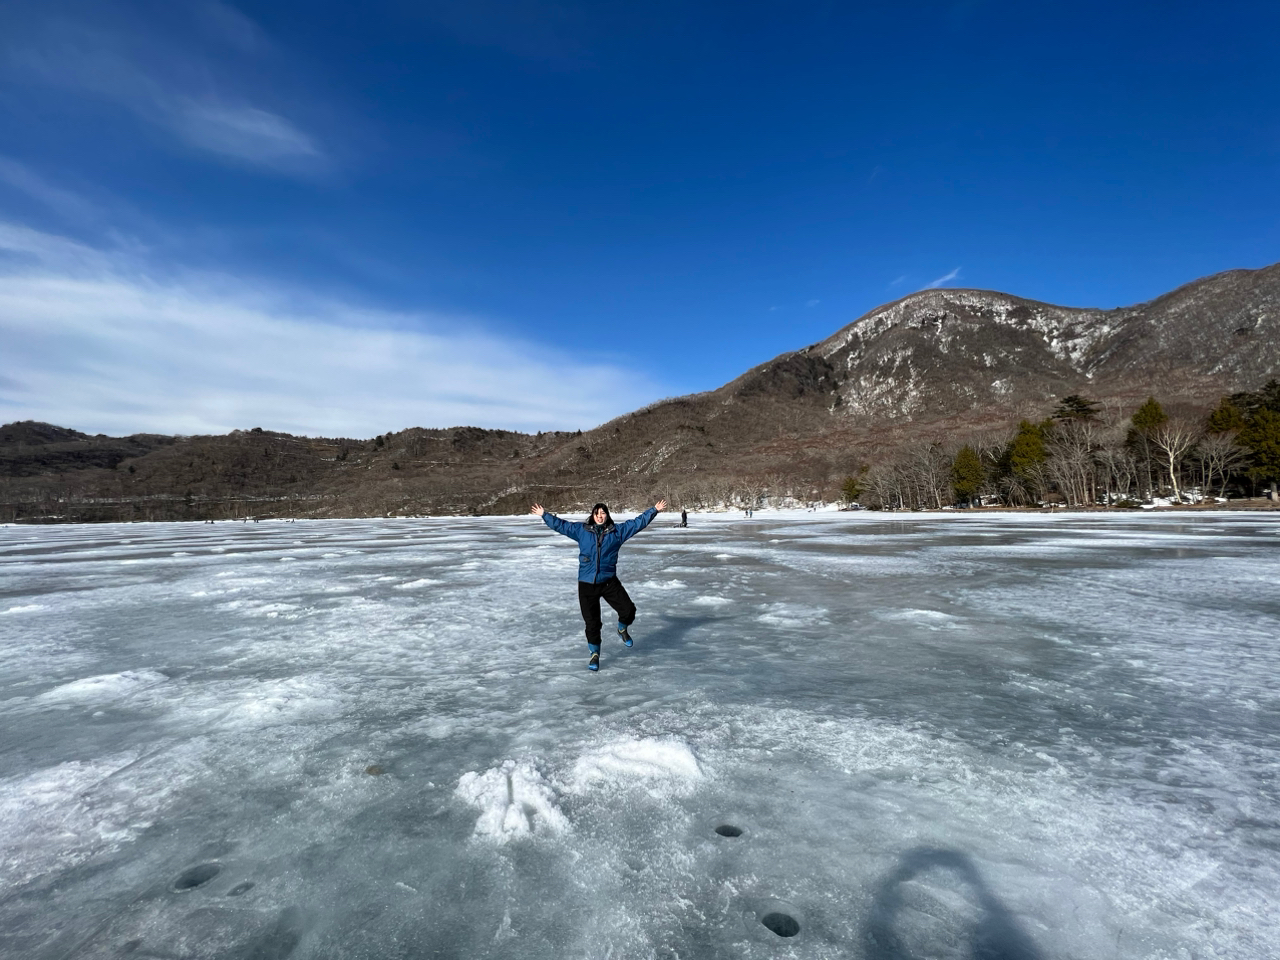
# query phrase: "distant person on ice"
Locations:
[[598, 542]]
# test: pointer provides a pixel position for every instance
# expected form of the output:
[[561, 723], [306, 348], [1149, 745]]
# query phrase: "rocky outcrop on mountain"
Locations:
[[940, 353]]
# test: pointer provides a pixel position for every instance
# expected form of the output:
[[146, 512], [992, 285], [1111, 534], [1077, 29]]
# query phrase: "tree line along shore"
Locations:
[[1080, 454], [1083, 455]]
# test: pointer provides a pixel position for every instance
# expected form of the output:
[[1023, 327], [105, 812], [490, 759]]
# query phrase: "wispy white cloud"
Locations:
[[942, 281], [898, 281], [96, 341], [244, 132], [65, 203], [25, 249], [812, 303], [167, 81], [229, 24]]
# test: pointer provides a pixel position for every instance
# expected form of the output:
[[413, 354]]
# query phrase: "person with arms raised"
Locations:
[[599, 540]]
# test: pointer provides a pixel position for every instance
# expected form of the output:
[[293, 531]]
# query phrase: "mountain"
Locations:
[[945, 351], [944, 363], [940, 365]]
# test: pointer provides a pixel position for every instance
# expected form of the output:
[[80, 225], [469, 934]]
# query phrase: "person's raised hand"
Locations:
[[537, 510], [660, 505]]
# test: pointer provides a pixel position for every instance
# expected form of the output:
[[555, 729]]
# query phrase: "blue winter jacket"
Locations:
[[598, 546]]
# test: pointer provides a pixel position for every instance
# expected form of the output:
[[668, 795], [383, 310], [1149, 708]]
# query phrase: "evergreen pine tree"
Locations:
[[1076, 407], [1017, 469], [1267, 398], [852, 487], [1027, 449], [1262, 436], [967, 474], [1224, 418], [1149, 416]]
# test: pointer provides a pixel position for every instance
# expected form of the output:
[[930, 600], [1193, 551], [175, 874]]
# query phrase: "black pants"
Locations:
[[614, 594]]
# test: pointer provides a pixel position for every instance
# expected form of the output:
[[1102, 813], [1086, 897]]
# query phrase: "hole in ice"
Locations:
[[783, 924], [728, 830], [374, 770], [281, 939], [196, 876], [240, 888]]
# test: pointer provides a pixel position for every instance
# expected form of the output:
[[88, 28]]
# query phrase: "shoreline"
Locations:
[[1248, 505]]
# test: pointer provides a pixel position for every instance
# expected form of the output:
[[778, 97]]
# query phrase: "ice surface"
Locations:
[[837, 735]]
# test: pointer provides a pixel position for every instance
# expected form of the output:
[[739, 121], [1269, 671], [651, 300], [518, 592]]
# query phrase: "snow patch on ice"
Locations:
[[257, 609], [25, 608], [514, 801], [664, 585], [790, 614], [417, 584], [710, 601], [108, 686], [631, 761], [925, 616]]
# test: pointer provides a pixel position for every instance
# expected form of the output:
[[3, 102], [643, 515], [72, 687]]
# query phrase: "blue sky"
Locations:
[[336, 218]]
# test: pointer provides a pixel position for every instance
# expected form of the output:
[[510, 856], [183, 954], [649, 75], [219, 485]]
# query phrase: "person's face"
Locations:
[[599, 515]]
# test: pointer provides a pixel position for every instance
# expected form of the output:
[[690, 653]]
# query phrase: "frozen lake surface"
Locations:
[[837, 735]]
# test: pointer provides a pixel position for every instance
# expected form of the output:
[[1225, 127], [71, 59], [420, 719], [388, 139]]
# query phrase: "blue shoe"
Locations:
[[594, 662], [623, 635]]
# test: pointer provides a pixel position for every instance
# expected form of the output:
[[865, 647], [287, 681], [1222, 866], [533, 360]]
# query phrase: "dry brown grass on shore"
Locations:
[[1244, 504]]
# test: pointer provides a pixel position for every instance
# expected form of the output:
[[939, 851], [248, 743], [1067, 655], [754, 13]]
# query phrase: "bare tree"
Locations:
[[929, 475], [1173, 439], [883, 486], [1119, 470], [1015, 490], [1116, 465], [1217, 453], [1071, 463]]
